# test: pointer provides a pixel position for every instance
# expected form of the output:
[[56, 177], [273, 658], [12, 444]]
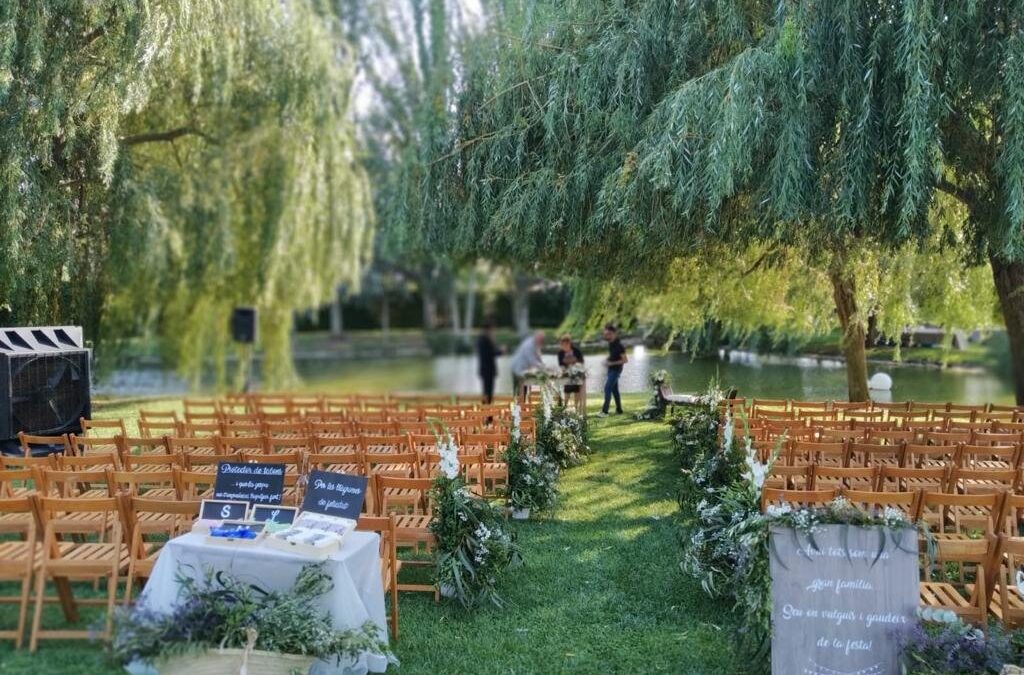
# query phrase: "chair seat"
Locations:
[[940, 594]]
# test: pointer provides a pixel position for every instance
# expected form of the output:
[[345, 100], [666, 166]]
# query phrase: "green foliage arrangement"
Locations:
[[656, 405], [218, 610], [474, 545], [532, 478], [562, 434]]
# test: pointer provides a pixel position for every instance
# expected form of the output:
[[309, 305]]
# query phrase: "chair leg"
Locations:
[[128, 584], [37, 617], [26, 590], [111, 601]]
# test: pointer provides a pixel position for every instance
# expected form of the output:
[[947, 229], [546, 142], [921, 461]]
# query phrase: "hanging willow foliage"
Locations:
[[163, 161]]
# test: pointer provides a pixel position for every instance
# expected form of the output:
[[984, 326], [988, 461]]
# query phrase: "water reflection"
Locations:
[[767, 376]]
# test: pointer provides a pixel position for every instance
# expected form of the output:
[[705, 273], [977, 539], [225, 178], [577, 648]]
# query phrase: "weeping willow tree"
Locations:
[[608, 139], [164, 161]]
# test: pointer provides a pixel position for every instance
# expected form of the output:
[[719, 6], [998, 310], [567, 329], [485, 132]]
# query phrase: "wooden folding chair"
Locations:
[[199, 429], [990, 456], [193, 485], [16, 483], [18, 558], [338, 462], [389, 562], [1008, 605], [158, 416], [972, 557], [153, 522], [810, 452], [146, 484], [407, 500], [74, 547], [204, 445], [911, 479]]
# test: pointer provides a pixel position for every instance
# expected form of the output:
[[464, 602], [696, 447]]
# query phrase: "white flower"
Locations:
[[449, 462], [777, 510], [727, 432], [756, 471], [545, 397], [482, 532]]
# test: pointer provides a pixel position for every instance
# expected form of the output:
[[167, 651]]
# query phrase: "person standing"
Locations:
[[487, 356], [570, 355], [616, 359], [525, 359]]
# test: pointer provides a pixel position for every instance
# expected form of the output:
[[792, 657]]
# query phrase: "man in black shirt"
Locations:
[[487, 354], [616, 359]]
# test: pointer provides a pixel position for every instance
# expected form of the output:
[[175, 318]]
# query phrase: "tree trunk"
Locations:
[[521, 303], [337, 320], [1009, 280], [453, 308], [467, 323], [844, 291], [429, 309], [385, 316]]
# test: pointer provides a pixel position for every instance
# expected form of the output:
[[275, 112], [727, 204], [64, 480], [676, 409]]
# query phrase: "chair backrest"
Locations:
[[382, 444], [947, 437], [852, 477], [343, 462], [996, 438], [770, 496], [982, 481], [98, 461], [811, 452], [194, 484], [391, 463], [193, 445], [30, 442], [170, 416], [990, 456], [138, 483], [159, 428], [287, 445], [903, 479], [145, 463], [917, 454], [234, 444], [18, 516], [872, 501], [199, 429], [108, 428], [141, 446], [72, 483], [338, 444], [961, 512], [421, 487], [14, 480], [57, 515]]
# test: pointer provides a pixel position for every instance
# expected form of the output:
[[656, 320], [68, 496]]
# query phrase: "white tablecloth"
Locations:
[[357, 595]]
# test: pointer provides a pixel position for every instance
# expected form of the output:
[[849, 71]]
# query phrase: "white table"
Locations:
[[357, 595]]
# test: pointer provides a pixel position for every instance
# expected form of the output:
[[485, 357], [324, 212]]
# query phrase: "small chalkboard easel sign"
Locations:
[[250, 482], [335, 494]]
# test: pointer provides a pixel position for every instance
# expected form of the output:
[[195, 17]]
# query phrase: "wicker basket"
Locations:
[[247, 661]]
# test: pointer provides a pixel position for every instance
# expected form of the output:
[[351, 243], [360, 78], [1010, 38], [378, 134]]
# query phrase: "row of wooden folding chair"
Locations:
[[948, 514], [892, 478]]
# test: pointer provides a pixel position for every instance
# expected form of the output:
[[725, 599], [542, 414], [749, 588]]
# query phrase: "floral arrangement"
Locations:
[[940, 643], [221, 611], [561, 434], [532, 479], [575, 373], [473, 544], [655, 408]]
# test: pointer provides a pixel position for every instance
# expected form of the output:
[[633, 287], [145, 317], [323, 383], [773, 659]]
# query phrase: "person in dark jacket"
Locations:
[[570, 355], [487, 356]]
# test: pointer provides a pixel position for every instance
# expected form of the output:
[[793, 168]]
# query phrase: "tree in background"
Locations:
[[166, 161], [608, 140]]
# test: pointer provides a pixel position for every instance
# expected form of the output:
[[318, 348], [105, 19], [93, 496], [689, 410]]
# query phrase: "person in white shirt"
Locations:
[[526, 358]]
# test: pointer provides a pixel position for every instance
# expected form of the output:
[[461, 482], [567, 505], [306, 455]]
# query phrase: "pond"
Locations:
[[766, 376]]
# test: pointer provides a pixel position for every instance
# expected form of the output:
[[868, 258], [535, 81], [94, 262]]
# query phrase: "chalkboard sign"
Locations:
[[335, 494], [222, 509], [838, 602], [282, 515], [255, 483]]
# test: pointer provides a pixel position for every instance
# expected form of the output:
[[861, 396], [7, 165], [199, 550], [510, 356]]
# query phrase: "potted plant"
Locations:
[[222, 625]]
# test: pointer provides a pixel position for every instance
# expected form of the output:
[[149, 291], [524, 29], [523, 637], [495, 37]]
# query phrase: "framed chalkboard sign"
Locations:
[[839, 600], [335, 494], [223, 509], [254, 483], [281, 515]]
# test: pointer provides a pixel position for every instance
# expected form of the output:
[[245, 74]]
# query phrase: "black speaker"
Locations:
[[44, 381], [243, 325]]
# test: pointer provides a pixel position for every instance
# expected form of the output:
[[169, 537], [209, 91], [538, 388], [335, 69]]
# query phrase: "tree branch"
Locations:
[[164, 136]]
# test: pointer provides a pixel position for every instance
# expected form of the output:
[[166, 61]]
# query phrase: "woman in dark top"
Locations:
[[569, 354], [487, 355]]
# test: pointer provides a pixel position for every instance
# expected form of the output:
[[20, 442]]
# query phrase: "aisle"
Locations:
[[601, 591]]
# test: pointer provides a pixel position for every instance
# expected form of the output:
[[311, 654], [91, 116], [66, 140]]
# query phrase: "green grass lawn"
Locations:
[[601, 590]]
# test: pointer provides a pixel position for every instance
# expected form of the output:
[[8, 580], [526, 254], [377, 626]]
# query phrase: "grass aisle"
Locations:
[[600, 591]]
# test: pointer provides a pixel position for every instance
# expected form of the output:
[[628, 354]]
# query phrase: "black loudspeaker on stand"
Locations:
[[243, 331], [44, 381]]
